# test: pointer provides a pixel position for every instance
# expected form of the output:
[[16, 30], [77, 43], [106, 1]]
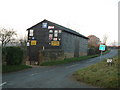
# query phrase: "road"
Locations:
[[51, 76]]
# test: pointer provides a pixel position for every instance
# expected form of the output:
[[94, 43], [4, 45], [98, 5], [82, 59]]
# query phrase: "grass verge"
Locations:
[[12, 68], [100, 74], [50, 63]]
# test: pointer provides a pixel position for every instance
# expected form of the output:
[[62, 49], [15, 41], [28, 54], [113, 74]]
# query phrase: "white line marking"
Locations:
[[34, 74], [72, 66], [91, 61], [3, 84], [52, 70], [46, 71], [49, 70]]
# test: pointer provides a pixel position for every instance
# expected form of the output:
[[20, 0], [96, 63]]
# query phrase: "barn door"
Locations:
[[33, 53], [76, 51]]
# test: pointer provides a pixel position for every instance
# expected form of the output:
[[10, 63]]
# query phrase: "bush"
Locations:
[[14, 55], [93, 51], [3, 55]]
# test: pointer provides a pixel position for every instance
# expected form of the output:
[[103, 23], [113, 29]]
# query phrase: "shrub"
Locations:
[[93, 50], [3, 55], [14, 55]]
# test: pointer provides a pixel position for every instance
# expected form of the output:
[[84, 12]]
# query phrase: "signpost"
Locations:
[[102, 48]]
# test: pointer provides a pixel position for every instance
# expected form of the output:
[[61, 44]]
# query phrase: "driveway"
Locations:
[[51, 76]]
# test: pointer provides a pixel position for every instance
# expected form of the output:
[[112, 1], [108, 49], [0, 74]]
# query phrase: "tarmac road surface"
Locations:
[[51, 76]]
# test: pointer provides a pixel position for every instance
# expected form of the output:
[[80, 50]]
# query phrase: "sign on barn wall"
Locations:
[[55, 43], [50, 27], [55, 39], [44, 25], [31, 33], [33, 42], [28, 44], [60, 31]]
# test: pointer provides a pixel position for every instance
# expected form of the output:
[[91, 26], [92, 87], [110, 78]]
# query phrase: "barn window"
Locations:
[[44, 25], [31, 33]]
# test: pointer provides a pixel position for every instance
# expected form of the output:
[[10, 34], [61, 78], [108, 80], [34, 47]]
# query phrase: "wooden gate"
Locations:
[[33, 54]]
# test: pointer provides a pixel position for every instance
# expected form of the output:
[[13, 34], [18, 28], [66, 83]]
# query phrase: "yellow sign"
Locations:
[[55, 43], [33, 42]]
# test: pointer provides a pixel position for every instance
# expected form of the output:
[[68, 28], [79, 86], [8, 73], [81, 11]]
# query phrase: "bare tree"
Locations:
[[6, 36], [105, 38], [23, 41]]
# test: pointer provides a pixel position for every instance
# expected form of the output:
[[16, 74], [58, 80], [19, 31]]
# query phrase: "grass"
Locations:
[[51, 63], [12, 68], [100, 74]]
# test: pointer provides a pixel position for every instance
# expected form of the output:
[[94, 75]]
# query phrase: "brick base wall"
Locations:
[[68, 55], [82, 54], [50, 55]]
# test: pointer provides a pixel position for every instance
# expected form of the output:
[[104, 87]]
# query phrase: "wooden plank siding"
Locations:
[[70, 42]]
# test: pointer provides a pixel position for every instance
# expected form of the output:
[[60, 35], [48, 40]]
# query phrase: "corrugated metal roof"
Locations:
[[62, 27]]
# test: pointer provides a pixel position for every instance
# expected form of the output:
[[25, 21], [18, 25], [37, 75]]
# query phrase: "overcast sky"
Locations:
[[88, 17]]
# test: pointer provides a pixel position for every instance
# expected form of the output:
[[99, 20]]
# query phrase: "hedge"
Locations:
[[13, 55]]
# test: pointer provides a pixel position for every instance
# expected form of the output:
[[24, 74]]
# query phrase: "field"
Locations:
[[100, 74]]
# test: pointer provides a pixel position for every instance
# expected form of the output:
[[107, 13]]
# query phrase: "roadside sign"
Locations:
[[102, 47]]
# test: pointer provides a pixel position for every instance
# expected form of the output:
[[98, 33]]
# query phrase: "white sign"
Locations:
[[55, 39], [109, 60], [51, 31], [44, 25], [31, 33], [28, 44], [59, 39], [50, 36], [55, 35], [56, 31], [60, 31], [50, 27], [33, 38]]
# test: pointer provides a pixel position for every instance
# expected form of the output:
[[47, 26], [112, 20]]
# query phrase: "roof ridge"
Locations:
[[67, 28]]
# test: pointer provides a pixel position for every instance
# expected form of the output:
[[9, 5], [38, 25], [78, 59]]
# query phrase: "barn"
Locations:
[[50, 41]]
